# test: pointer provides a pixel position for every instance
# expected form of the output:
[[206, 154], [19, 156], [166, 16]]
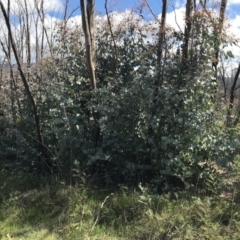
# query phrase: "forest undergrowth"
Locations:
[[43, 209]]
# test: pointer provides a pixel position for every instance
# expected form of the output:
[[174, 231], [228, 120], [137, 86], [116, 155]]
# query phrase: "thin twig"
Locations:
[[175, 16], [150, 9], [233, 198], [97, 218]]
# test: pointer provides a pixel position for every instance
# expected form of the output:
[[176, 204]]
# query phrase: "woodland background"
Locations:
[[132, 104]]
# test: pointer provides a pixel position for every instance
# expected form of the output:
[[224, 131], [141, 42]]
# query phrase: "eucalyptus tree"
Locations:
[[89, 28]]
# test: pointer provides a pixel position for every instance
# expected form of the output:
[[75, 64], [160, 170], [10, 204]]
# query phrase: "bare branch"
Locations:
[[150, 9], [113, 38]]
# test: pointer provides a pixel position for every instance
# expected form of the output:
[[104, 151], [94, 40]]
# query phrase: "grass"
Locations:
[[32, 208]]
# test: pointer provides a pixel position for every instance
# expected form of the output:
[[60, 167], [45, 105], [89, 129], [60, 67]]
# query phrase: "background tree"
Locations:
[[96, 114], [88, 23], [24, 80]]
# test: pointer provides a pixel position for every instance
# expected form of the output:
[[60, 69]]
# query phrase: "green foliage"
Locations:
[[155, 129], [161, 131]]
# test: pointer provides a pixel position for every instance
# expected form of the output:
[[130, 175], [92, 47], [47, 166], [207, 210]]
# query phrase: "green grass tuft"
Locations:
[[32, 210]]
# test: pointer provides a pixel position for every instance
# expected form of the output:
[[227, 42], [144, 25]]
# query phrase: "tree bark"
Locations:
[[217, 33], [28, 44], [88, 23], [188, 26], [89, 27], [112, 35], [232, 96], [161, 39]]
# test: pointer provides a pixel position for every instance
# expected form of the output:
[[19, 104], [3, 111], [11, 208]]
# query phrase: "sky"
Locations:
[[176, 10], [57, 6], [233, 9], [156, 5], [120, 8], [118, 5]]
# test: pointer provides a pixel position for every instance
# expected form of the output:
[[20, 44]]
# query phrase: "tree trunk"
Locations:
[[188, 26], [161, 39], [112, 35], [88, 24], [231, 100], [28, 44], [217, 33], [41, 15]]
